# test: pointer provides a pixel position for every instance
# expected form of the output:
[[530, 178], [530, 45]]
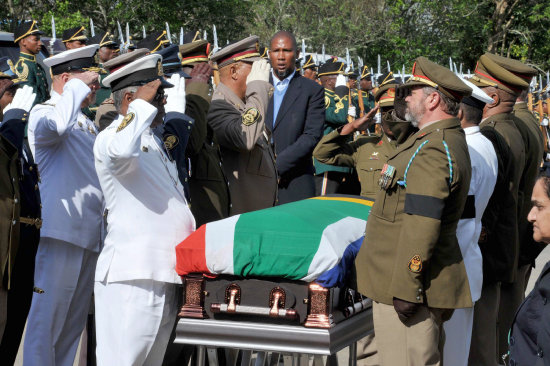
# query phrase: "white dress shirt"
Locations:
[[484, 176], [61, 138], [148, 214]]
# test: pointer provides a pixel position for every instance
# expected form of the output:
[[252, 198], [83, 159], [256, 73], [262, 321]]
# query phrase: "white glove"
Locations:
[[23, 99], [340, 80], [260, 71], [378, 118], [352, 111], [175, 97]]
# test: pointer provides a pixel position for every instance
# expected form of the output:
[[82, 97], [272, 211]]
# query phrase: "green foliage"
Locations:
[[398, 30]]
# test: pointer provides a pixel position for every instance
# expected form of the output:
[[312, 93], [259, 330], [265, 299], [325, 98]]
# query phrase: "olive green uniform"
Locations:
[[411, 251], [367, 154], [31, 73], [207, 183]]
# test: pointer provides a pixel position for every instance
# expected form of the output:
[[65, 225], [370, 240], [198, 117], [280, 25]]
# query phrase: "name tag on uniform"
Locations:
[[386, 176]]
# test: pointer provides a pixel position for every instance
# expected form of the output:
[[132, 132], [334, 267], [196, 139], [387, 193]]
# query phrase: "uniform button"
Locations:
[[419, 290], [30, 168], [16, 200], [36, 187], [418, 298], [13, 179], [185, 179], [14, 222], [544, 300], [512, 341], [539, 353]]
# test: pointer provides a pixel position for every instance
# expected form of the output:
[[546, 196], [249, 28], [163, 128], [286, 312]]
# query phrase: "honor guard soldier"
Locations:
[[367, 154], [332, 179], [107, 51], [154, 41], [74, 38], [23, 219], [144, 197], [28, 71], [309, 68], [410, 264], [458, 329], [366, 99], [106, 112], [503, 79], [264, 52], [208, 184], [237, 116], [61, 138]]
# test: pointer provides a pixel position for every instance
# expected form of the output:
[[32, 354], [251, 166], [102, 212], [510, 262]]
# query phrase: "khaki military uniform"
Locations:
[[248, 161], [31, 73], [411, 251], [367, 154], [106, 113]]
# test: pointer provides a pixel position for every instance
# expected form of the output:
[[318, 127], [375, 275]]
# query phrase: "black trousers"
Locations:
[[20, 293]]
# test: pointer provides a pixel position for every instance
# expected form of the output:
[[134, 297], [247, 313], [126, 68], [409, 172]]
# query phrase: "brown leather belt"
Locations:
[[29, 221]]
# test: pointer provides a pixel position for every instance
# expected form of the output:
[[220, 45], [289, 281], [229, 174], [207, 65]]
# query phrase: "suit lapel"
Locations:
[[290, 96]]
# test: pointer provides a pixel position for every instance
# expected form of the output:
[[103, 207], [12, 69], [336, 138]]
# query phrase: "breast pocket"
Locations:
[[387, 201], [369, 173]]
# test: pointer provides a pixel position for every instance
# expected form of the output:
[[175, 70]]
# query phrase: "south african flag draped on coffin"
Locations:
[[315, 239]]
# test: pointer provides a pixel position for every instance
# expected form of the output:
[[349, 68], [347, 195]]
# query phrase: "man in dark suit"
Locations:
[[295, 118]]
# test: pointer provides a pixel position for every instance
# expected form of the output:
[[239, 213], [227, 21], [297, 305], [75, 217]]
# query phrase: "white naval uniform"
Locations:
[[148, 216], [458, 330], [61, 138]]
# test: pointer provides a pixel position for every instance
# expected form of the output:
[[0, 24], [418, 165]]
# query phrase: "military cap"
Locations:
[[26, 29], [503, 73], [124, 59], [171, 61], [353, 74], [154, 41], [478, 99], [104, 39], [74, 34], [137, 73], [428, 73], [331, 67], [247, 49], [365, 72], [195, 52], [385, 95], [264, 52], [309, 63], [76, 59]]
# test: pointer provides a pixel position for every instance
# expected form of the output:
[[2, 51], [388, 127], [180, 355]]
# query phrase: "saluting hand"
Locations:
[[201, 73], [363, 123], [88, 77], [148, 91], [260, 71]]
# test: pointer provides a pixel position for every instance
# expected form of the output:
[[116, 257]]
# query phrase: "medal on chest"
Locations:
[[386, 176]]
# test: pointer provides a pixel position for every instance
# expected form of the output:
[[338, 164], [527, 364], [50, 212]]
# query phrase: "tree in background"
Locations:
[[398, 30]]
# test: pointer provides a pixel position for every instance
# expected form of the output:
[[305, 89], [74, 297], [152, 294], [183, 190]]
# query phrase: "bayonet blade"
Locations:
[[92, 30], [348, 60], [451, 63], [323, 51], [120, 36], [143, 29], [303, 52], [53, 30], [127, 45], [379, 60], [205, 35], [168, 33], [388, 63], [215, 38], [181, 35]]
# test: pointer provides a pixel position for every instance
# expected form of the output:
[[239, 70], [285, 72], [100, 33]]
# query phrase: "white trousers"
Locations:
[[134, 320], [57, 316], [458, 332]]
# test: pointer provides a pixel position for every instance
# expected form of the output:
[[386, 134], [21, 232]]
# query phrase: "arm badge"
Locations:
[[126, 121], [250, 116], [171, 141]]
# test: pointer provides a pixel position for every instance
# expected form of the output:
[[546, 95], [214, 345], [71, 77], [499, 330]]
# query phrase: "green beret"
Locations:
[[428, 73]]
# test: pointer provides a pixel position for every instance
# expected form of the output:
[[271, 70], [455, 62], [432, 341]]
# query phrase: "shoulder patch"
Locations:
[[250, 116], [171, 141], [126, 121]]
